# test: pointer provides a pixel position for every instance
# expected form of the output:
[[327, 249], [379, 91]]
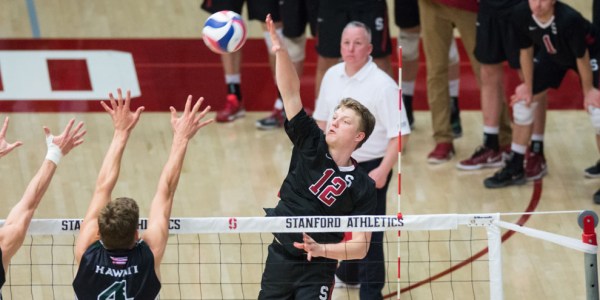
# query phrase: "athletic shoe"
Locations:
[[455, 118], [275, 120], [535, 166], [508, 175], [597, 197], [232, 110], [482, 158], [442, 152], [339, 284], [593, 171]]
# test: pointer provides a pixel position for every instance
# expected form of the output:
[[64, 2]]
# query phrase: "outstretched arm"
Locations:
[[356, 248], [6, 147], [184, 128], [124, 120], [287, 79], [17, 222]]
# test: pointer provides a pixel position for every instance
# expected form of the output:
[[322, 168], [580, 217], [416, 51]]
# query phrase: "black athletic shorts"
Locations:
[[257, 9], [296, 14], [293, 277], [496, 41], [334, 15], [548, 74], [406, 13]]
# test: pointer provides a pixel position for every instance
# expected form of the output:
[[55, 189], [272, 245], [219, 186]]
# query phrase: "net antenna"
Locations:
[[588, 220], [399, 159]]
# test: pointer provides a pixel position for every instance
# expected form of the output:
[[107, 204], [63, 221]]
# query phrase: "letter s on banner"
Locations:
[[25, 74]]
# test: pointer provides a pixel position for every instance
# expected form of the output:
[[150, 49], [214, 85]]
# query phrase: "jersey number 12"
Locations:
[[334, 188]]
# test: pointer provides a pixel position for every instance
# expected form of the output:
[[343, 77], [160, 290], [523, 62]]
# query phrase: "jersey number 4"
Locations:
[[116, 291], [334, 188]]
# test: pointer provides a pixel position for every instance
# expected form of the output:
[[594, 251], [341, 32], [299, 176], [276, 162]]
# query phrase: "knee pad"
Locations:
[[267, 37], [595, 117], [295, 47], [453, 57], [523, 115], [410, 45]]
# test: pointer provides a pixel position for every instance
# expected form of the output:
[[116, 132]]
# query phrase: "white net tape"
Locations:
[[223, 257]]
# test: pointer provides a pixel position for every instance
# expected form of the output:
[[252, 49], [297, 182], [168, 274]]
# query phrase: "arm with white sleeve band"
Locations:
[[12, 233]]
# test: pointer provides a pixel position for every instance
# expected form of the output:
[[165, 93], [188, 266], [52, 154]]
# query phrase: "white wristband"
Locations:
[[54, 154]]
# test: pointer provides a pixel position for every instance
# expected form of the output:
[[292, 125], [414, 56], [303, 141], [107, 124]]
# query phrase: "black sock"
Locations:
[[490, 140], [454, 110], [408, 106], [516, 161], [537, 147], [234, 88]]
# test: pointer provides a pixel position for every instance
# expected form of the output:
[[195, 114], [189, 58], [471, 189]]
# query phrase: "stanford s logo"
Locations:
[[327, 193], [324, 293], [232, 223]]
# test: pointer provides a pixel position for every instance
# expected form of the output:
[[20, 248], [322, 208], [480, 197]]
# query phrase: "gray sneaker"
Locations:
[[273, 121]]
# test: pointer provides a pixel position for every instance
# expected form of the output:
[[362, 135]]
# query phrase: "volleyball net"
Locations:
[[223, 258]]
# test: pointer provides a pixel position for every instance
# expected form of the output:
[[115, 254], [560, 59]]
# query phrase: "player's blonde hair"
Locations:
[[367, 120], [118, 223]]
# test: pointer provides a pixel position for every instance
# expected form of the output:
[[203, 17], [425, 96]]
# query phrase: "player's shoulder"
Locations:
[[565, 13], [364, 183], [362, 176], [379, 77], [335, 70]]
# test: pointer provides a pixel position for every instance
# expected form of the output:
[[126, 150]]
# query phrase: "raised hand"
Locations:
[[6, 147], [120, 112], [189, 123], [68, 139], [275, 41]]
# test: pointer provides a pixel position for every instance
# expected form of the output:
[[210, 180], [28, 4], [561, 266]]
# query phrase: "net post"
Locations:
[[399, 160], [494, 236], [588, 220]]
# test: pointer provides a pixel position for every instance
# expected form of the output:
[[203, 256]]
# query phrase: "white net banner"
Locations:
[[283, 224]]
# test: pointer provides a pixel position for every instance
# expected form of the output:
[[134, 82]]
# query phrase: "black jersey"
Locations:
[[315, 185], [120, 274], [497, 6], [596, 13], [565, 38]]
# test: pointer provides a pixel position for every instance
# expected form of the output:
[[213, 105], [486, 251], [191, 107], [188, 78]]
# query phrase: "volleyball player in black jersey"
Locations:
[[566, 40], [12, 233], [114, 263], [323, 180]]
